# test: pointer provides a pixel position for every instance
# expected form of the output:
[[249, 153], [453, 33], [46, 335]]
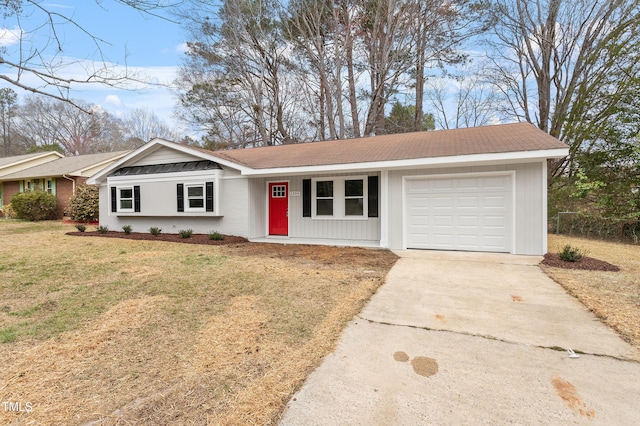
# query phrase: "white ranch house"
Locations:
[[477, 189]]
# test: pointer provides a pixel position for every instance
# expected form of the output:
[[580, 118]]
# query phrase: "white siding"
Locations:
[[159, 207], [529, 235], [367, 229], [165, 155]]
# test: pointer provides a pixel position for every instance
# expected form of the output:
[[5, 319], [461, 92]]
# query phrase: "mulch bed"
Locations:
[[585, 263], [173, 238]]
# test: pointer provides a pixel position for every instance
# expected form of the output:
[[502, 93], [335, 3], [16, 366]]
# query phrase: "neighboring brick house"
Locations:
[[59, 177], [9, 165]]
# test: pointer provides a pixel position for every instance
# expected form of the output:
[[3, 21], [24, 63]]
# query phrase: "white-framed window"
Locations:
[[197, 197], [194, 197], [342, 197], [125, 199], [354, 197], [49, 186], [324, 198]]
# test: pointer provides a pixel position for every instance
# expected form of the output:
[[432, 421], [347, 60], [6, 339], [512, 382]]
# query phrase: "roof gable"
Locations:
[[159, 152], [71, 166], [16, 163]]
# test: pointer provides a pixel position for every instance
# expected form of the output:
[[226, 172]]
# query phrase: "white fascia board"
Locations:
[[458, 160]]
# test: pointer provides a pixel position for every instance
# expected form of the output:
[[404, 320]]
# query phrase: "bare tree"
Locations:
[[45, 121], [38, 55], [236, 65], [143, 124], [388, 41], [466, 101], [544, 52], [441, 26]]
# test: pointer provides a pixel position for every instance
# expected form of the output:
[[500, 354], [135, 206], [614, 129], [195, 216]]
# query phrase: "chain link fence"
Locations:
[[572, 223]]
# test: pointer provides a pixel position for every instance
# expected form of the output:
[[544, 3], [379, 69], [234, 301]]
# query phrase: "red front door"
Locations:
[[278, 208]]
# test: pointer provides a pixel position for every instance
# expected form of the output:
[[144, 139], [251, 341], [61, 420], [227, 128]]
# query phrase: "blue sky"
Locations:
[[148, 45]]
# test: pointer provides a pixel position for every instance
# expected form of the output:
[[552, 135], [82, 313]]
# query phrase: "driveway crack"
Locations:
[[498, 339]]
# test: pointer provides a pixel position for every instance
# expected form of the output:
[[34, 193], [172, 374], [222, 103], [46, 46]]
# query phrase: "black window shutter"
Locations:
[[114, 199], [209, 196], [306, 198], [136, 198], [180, 197], [373, 196]]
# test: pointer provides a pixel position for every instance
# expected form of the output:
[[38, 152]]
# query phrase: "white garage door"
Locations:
[[459, 213]]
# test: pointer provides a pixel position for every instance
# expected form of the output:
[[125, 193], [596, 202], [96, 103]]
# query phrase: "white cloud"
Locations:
[[182, 48], [113, 99], [10, 37]]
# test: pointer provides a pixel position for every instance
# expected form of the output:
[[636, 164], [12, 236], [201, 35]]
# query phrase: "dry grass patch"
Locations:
[[110, 331], [612, 296]]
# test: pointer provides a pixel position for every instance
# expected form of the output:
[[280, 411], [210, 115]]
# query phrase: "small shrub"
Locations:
[[185, 233], [81, 227], [35, 205], [8, 212], [571, 254], [155, 231], [127, 229], [216, 236], [84, 206], [102, 229]]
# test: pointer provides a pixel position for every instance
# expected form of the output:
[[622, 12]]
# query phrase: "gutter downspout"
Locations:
[[73, 187], [73, 184]]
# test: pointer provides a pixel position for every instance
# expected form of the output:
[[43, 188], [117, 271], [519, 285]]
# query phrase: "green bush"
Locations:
[[80, 227], [35, 205], [127, 229], [185, 233], [102, 229], [84, 206], [571, 254], [155, 231], [216, 236]]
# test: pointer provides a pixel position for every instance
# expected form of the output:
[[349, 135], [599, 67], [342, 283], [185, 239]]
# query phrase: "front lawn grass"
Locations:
[[612, 296], [148, 332]]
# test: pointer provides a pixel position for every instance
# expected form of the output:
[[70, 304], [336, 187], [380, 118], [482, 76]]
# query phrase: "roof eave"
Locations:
[[457, 160]]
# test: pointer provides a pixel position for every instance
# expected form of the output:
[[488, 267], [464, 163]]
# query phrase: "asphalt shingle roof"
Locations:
[[64, 166], [502, 138]]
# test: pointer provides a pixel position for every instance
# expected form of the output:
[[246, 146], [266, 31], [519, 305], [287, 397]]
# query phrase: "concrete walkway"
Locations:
[[472, 338]]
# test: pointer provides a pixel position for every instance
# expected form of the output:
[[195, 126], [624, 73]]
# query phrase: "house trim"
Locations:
[[458, 160]]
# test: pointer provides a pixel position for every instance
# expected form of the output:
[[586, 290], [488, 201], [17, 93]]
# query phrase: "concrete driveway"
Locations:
[[472, 338]]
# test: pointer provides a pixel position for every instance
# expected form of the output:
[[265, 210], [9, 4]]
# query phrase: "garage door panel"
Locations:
[[475, 214], [494, 202], [466, 220], [499, 183], [443, 220]]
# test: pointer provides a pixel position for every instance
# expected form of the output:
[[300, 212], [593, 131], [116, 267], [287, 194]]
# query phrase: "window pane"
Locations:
[[353, 207], [196, 203], [324, 207], [195, 191], [353, 188], [324, 189], [126, 193], [126, 204]]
